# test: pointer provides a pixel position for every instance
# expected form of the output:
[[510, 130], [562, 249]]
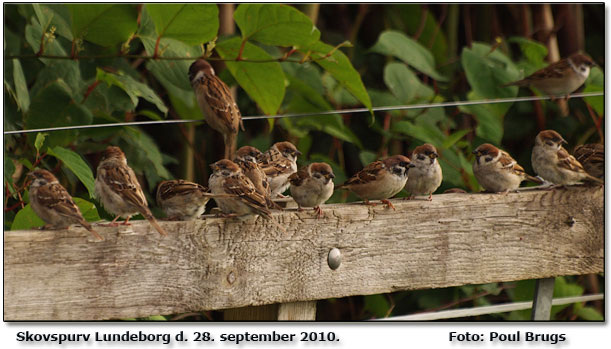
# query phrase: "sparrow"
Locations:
[[425, 177], [246, 158], [380, 180], [592, 157], [496, 171], [118, 190], [554, 164], [182, 200], [52, 203], [278, 163], [559, 78], [227, 178], [217, 104], [312, 186]]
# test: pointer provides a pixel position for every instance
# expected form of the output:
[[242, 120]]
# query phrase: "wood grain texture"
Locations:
[[218, 263]]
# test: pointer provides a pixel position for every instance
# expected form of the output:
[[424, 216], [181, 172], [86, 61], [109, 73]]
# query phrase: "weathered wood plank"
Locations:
[[218, 263]]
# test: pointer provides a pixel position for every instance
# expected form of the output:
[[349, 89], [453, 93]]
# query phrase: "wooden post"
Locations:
[[542, 302]]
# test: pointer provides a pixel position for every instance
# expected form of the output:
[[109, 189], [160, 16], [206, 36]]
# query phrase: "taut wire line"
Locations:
[[329, 112]]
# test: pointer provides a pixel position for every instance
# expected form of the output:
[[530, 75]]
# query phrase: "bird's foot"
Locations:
[[388, 204]]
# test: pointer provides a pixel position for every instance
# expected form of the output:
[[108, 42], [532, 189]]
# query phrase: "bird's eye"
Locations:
[[488, 158], [420, 157]]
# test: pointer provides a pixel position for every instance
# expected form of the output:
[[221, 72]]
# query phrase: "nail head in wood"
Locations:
[[334, 259]]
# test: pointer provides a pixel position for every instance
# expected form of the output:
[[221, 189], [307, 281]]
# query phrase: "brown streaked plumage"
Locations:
[[278, 163], [496, 171], [52, 203], [118, 190], [217, 104], [554, 164], [592, 157], [182, 200], [312, 186], [560, 78], [380, 180]]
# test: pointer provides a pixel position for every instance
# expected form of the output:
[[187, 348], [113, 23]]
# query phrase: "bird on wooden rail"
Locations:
[[496, 171], [217, 104], [227, 178], [380, 180], [426, 176], [278, 163], [592, 157], [52, 203], [183, 200], [118, 190], [554, 164], [246, 157], [312, 186], [560, 78]]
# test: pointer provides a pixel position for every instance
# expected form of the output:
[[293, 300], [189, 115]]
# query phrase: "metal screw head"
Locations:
[[334, 259]]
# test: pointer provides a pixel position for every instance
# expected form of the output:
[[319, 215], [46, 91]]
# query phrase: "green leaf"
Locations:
[[410, 51], [454, 137], [404, 84], [192, 24], [367, 157], [489, 120], [21, 88], [26, 218], [40, 139], [377, 305], [9, 169], [77, 165], [57, 15], [425, 133], [340, 67], [534, 51], [275, 24], [596, 83], [53, 106], [264, 82], [487, 71], [103, 24], [132, 87], [589, 314]]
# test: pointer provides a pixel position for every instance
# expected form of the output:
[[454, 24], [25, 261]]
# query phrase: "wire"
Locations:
[[329, 112]]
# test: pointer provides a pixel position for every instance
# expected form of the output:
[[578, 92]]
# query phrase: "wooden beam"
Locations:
[[217, 263]]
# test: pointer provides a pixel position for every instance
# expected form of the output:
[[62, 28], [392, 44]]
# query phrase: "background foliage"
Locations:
[[310, 58]]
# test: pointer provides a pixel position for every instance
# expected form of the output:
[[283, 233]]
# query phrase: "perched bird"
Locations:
[[217, 104], [425, 177], [312, 186], [53, 204], [182, 200], [496, 171], [559, 78], [592, 157], [227, 178], [554, 164], [278, 163], [246, 158], [117, 188], [380, 180]]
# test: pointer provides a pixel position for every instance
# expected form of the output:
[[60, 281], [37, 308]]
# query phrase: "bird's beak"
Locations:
[[433, 155], [562, 141], [411, 165], [214, 167], [330, 175], [297, 152], [474, 152]]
